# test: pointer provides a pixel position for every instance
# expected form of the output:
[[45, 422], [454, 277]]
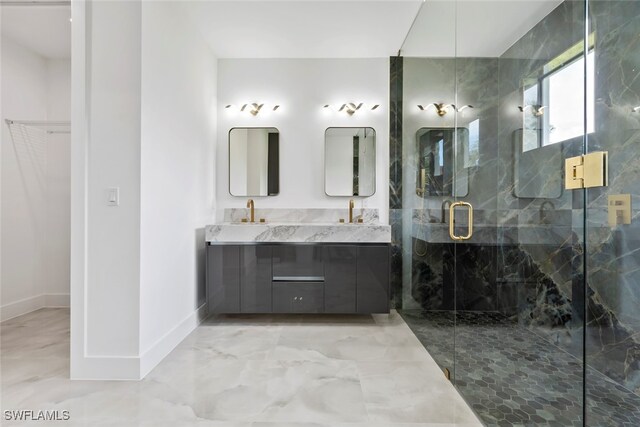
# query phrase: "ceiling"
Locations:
[[473, 28], [45, 30], [318, 28], [303, 29]]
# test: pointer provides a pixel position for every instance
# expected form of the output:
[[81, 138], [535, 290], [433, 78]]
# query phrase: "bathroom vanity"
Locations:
[[297, 267], [299, 260], [298, 278]]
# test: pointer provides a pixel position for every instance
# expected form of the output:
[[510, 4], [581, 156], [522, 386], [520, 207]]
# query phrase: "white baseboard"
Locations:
[[158, 351], [105, 368], [27, 305], [20, 307], [133, 367], [56, 300]]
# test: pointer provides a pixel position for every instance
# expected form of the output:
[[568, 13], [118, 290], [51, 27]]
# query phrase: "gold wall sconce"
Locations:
[[536, 110], [442, 109], [253, 108], [350, 107]]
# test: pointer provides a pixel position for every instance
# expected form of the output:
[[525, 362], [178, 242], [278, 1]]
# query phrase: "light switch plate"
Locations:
[[113, 196]]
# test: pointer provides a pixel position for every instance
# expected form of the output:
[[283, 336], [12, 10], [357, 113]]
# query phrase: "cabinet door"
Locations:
[[373, 279], [340, 279], [223, 279], [255, 278], [298, 297]]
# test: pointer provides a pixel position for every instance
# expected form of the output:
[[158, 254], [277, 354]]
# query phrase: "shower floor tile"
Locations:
[[511, 376]]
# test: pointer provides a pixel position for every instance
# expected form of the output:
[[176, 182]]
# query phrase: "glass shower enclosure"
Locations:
[[515, 200]]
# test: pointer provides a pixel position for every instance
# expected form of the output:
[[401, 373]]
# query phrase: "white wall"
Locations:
[[177, 184], [57, 256], [302, 87], [145, 124], [35, 183], [23, 181], [113, 160]]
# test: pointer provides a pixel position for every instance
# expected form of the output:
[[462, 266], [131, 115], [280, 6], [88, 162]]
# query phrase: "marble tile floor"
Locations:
[[241, 371], [513, 377]]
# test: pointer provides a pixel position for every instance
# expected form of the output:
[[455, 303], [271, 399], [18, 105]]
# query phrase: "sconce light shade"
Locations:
[[253, 108], [636, 109], [442, 109], [351, 107], [536, 110]]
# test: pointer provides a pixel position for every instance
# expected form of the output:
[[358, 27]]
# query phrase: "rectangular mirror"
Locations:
[[254, 162], [437, 175], [350, 162]]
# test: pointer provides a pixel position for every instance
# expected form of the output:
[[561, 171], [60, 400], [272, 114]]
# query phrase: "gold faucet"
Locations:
[[250, 205], [351, 205]]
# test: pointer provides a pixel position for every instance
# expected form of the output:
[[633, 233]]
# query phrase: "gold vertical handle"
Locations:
[[452, 209]]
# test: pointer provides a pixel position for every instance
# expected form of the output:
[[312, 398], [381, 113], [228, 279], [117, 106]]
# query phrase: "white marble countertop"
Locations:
[[313, 232], [299, 226]]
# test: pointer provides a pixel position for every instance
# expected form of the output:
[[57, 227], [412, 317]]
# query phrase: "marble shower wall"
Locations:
[[544, 273], [395, 178], [557, 308], [613, 253]]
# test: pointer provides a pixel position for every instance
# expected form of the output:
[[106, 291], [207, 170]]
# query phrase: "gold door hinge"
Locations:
[[588, 171]]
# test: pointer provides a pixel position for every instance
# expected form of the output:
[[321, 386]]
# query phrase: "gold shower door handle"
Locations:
[[452, 209]]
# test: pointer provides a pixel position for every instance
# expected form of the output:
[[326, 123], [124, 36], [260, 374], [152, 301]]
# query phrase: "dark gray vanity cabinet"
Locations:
[[298, 297], [340, 278], [297, 263], [298, 278], [373, 279], [223, 278], [256, 278]]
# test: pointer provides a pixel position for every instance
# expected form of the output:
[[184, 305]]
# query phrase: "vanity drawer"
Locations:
[[298, 297], [298, 263]]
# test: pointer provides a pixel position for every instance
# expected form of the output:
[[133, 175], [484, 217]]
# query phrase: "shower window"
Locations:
[[562, 91], [553, 103]]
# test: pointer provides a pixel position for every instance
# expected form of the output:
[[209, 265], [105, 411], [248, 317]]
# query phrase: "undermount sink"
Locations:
[[318, 232]]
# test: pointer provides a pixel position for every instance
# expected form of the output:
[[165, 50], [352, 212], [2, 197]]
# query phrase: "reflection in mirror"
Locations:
[[254, 164], [350, 162], [437, 175]]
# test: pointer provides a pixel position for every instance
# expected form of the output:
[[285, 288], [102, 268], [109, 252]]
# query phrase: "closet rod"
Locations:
[[34, 3], [35, 123]]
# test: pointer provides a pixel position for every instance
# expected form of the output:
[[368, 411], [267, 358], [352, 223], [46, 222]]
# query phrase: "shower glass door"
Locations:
[[523, 285], [519, 278], [612, 337]]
